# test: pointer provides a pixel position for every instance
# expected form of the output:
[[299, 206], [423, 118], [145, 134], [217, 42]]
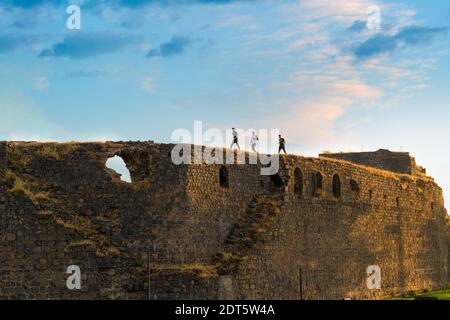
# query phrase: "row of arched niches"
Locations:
[[316, 185]]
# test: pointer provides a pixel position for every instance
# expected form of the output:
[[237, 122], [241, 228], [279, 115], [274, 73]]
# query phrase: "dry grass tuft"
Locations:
[[57, 150], [20, 185], [199, 269]]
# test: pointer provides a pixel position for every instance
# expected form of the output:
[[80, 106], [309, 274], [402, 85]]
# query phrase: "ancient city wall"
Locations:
[[380, 218], [395, 222], [62, 206], [210, 230]]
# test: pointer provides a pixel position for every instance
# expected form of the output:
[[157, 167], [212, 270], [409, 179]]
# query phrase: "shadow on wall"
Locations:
[[436, 251]]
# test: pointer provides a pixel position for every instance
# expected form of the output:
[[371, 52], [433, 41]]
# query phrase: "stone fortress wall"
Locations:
[[214, 231]]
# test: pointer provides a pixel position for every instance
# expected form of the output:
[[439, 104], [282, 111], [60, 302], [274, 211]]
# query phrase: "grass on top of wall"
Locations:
[[441, 295]]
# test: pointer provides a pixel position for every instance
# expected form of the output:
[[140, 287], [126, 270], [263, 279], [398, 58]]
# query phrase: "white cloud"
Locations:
[[324, 86], [148, 84], [40, 83]]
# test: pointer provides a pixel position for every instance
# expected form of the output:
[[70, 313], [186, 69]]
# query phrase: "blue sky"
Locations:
[[139, 69]]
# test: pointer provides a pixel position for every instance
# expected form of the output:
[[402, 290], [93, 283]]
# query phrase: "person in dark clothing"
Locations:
[[282, 144], [235, 139]]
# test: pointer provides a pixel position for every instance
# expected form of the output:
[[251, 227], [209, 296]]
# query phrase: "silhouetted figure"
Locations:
[[235, 140], [282, 144]]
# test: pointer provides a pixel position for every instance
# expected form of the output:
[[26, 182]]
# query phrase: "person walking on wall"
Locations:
[[282, 144], [253, 141], [235, 139]]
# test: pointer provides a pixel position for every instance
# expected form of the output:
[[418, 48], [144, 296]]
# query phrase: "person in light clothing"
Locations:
[[254, 141]]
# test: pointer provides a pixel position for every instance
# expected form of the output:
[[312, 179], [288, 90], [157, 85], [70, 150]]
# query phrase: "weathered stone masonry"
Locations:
[[214, 231], [3, 148], [400, 162]]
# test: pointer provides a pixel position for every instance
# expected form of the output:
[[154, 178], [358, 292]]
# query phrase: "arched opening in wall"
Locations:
[[118, 165], [398, 201], [432, 206], [223, 177], [354, 187], [370, 194], [276, 180], [317, 184], [336, 186], [298, 181]]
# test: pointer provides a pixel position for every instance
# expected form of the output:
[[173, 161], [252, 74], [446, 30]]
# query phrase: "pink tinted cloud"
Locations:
[[356, 89], [310, 122]]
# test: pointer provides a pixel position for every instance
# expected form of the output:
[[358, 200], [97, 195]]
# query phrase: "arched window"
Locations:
[[223, 177], [336, 186], [298, 181], [317, 184]]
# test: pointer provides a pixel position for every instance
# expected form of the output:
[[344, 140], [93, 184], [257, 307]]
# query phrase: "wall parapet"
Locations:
[[399, 162]]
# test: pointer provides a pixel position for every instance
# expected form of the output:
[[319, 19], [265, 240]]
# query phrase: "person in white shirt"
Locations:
[[235, 140], [253, 141]]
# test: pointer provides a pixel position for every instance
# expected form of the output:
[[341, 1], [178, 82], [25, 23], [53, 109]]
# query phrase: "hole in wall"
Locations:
[[370, 194], [317, 184], [432, 206], [223, 177], [398, 201], [276, 180], [298, 181], [354, 187], [336, 186], [118, 165]]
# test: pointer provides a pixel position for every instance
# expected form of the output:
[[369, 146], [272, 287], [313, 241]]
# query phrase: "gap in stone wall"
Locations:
[[118, 165]]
